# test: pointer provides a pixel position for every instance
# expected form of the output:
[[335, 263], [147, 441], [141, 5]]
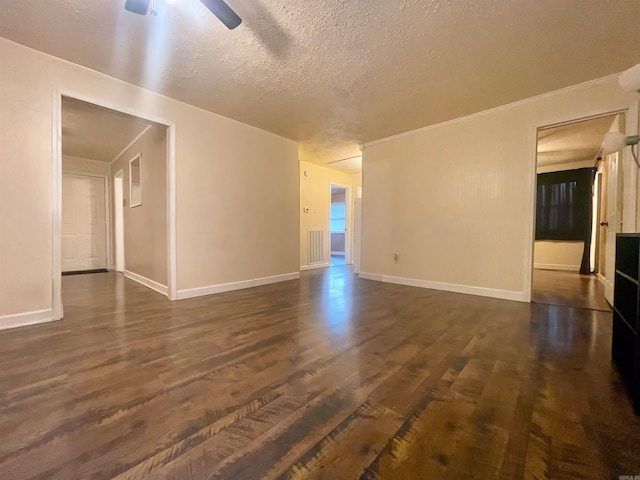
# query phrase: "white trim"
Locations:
[[24, 319], [338, 254], [146, 129], [314, 266], [285, 277], [147, 282], [172, 256], [604, 281], [597, 81], [56, 269], [554, 266], [118, 227], [56, 208], [228, 287], [448, 287]]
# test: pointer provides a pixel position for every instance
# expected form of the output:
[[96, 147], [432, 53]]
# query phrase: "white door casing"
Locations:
[[118, 199], [83, 223], [614, 221]]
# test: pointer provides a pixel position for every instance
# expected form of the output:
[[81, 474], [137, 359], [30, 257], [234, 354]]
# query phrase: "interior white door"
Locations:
[[84, 245], [612, 221]]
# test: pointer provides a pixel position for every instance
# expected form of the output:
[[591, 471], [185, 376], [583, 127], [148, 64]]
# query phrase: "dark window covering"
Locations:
[[564, 208]]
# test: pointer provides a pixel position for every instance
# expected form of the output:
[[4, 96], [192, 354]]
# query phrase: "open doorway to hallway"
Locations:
[[339, 224], [577, 206], [115, 193]]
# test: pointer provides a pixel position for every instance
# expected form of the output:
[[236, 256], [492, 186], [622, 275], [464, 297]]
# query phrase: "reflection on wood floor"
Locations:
[[570, 289], [326, 377]]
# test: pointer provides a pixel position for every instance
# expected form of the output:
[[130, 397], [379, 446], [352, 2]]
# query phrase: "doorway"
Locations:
[[573, 196], [338, 222], [92, 142]]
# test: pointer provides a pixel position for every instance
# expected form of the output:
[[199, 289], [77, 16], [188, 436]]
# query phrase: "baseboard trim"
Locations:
[[448, 287], [229, 287], [23, 319], [604, 281], [147, 282], [314, 266], [338, 254], [554, 266]]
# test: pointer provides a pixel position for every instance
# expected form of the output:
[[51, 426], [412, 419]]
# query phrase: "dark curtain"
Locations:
[[564, 208]]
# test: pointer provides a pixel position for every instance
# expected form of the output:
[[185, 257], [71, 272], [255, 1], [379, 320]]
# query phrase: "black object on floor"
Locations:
[[80, 272]]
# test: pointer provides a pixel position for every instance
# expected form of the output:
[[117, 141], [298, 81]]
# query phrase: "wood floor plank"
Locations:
[[328, 376]]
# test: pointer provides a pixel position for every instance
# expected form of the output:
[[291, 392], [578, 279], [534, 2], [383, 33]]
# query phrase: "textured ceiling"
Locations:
[[96, 133], [334, 74], [573, 142]]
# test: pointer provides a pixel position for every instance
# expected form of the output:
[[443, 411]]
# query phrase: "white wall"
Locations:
[[455, 201], [237, 186]]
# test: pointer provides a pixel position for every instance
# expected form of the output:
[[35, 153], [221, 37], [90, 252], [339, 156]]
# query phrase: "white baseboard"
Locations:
[[448, 287], [555, 266], [153, 285], [339, 254], [228, 287], [315, 265], [24, 319]]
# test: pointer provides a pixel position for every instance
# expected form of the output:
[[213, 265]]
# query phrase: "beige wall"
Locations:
[[315, 194], [456, 201], [237, 186], [145, 226], [555, 255]]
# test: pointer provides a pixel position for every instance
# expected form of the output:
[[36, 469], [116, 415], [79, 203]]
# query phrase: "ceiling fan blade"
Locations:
[[224, 13], [137, 6]]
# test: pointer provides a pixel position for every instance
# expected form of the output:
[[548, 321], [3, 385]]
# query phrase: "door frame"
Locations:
[[107, 211], [347, 222], [114, 260], [534, 178], [56, 240]]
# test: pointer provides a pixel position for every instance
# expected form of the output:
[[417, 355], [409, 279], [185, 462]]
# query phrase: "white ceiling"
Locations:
[[573, 142], [334, 74], [97, 133]]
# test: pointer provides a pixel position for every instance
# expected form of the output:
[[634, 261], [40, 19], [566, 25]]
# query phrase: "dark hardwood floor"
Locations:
[[569, 289], [326, 377]]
